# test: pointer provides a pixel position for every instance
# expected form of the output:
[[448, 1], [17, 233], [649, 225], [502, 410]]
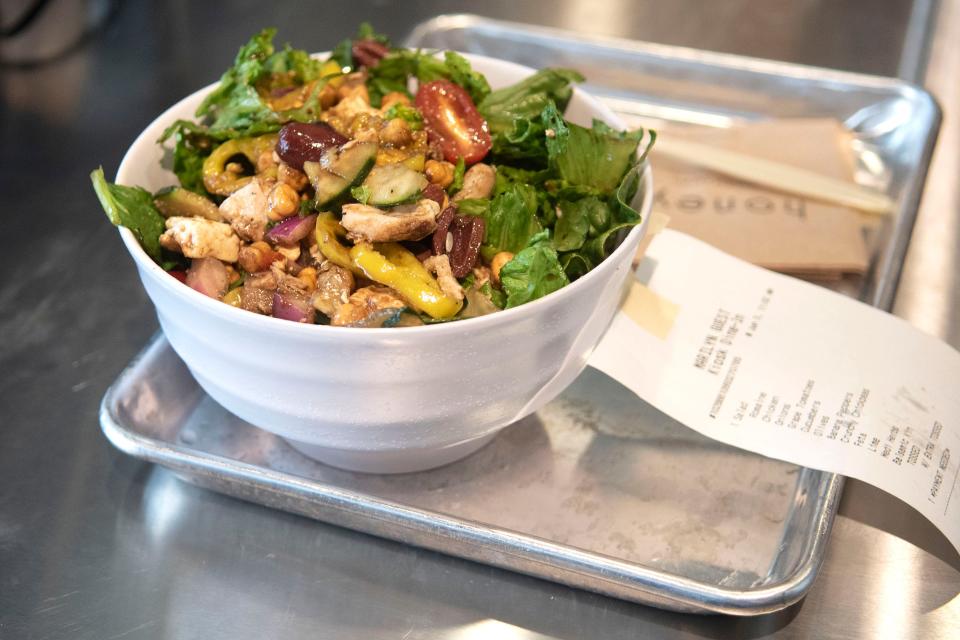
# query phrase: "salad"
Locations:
[[382, 187]]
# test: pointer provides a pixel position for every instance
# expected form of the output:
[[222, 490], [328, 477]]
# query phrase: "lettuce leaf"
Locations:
[[236, 103], [192, 144], [515, 115], [394, 71], [579, 219], [133, 208], [597, 157], [533, 273], [458, 170], [511, 220], [528, 98]]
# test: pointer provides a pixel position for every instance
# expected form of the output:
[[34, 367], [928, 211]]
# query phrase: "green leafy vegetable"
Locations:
[[555, 130], [366, 32], [405, 112], [458, 170], [576, 220], [533, 273], [575, 265], [394, 71], [133, 208], [597, 157], [192, 144], [511, 220], [237, 103], [459, 71], [360, 193], [514, 115], [343, 55], [528, 98], [508, 176]]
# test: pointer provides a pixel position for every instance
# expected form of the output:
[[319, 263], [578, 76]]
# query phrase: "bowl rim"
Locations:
[[235, 316]]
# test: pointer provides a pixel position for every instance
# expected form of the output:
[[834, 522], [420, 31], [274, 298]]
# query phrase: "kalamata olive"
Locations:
[[367, 53], [434, 192], [443, 228], [302, 141], [468, 234]]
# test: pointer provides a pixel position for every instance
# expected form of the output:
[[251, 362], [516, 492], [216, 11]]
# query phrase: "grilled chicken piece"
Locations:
[[408, 222], [257, 292], [246, 211], [440, 266], [334, 286], [364, 303], [201, 238]]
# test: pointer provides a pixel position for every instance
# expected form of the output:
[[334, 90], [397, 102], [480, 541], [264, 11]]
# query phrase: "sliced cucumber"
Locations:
[[176, 201], [339, 169], [392, 184]]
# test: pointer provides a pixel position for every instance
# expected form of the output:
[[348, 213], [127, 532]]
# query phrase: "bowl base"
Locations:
[[391, 461]]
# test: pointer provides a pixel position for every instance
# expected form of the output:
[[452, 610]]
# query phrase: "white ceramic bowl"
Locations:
[[384, 400]]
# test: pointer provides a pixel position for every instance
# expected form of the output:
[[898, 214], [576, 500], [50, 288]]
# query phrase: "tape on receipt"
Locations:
[[783, 368]]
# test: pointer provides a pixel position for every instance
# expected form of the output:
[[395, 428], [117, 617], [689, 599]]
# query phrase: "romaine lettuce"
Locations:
[[533, 273], [133, 208]]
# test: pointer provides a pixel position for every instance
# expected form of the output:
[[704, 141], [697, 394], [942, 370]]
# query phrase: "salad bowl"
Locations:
[[385, 400]]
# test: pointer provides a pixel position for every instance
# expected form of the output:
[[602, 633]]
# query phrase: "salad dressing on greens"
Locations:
[[325, 191]]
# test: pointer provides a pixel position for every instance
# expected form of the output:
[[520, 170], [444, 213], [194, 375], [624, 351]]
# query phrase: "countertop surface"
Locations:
[[96, 545]]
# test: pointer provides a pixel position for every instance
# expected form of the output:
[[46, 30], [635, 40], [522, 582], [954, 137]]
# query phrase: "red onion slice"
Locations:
[[292, 230], [290, 307]]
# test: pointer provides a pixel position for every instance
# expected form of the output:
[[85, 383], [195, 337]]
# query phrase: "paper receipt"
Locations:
[[793, 371]]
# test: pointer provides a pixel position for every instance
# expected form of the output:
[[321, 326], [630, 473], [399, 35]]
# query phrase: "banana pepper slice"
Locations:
[[329, 231], [388, 264], [217, 179], [403, 273]]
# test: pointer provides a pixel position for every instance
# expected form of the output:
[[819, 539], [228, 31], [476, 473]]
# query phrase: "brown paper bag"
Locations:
[[769, 228]]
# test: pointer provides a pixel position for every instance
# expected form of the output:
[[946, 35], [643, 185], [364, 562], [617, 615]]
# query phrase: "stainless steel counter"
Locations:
[[95, 545]]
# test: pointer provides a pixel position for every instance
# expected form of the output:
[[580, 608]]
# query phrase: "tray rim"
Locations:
[[670, 51], [633, 581]]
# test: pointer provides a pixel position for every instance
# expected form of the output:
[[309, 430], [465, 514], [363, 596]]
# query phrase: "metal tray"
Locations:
[[597, 490]]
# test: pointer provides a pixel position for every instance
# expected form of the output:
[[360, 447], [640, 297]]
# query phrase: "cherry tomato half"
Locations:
[[453, 122]]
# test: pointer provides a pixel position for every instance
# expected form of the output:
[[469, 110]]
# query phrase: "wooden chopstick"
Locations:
[[775, 174]]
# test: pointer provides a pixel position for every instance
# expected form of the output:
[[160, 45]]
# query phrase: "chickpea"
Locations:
[[396, 133], [308, 276], [478, 182], [439, 172], [232, 274], [497, 263], [290, 253], [293, 177], [257, 257], [283, 201]]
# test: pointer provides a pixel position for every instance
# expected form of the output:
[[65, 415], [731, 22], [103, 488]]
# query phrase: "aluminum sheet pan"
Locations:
[[597, 490]]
